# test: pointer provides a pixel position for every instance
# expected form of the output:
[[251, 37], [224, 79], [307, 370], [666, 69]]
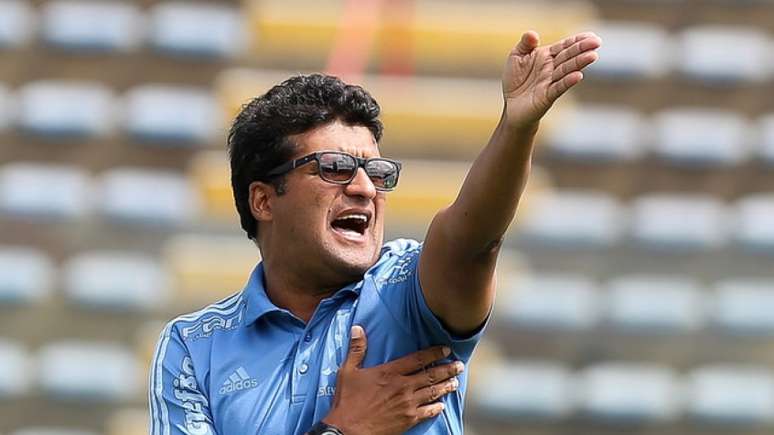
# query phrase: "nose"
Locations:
[[361, 185]]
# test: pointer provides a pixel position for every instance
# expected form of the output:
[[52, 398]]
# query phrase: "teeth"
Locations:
[[359, 217]]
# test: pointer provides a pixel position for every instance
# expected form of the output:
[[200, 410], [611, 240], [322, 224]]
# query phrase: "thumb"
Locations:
[[357, 348], [529, 41]]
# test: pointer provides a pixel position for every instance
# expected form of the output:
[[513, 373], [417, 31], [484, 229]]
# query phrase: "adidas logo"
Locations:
[[238, 381]]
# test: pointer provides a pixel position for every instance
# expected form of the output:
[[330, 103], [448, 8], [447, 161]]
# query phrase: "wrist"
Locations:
[[344, 426]]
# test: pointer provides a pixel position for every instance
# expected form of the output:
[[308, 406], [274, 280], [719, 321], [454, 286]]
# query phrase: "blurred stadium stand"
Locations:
[[636, 292]]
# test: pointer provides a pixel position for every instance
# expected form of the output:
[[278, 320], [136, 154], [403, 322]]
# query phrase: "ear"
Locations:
[[261, 195]]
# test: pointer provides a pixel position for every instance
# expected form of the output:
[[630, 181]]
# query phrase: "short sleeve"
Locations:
[[177, 405], [398, 286]]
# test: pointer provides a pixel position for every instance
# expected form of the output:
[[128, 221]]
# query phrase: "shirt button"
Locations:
[[303, 368], [308, 337]]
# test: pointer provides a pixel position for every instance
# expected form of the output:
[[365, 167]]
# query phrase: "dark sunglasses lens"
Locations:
[[337, 167], [383, 173]]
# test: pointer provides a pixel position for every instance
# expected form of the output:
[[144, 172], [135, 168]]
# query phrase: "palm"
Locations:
[[534, 77]]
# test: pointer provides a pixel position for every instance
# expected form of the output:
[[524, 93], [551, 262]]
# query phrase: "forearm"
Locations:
[[487, 202]]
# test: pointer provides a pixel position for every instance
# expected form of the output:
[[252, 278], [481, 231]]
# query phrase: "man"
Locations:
[[310, 188]]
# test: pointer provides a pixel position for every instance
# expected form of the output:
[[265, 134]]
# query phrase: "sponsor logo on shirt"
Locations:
[[238, 381], [205, 327], [187, 392]]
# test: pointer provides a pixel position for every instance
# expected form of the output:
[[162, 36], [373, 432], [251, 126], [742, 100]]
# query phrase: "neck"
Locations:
[[292, 294]]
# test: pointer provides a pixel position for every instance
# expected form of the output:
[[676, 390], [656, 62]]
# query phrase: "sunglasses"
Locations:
[[341, 168]]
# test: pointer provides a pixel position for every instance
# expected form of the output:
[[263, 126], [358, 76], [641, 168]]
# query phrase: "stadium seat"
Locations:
[[765, 139], [437, 34], [742, 306], [171, 115], [572, 218], [197, 30], [7, 107], [17, 23], [549, 302], [654, 304], [524, 389], [128, 422], [679, 222], [14, 370], [631, 50], [731, 395], [629, 393], [211, 177], [88, 25], [57, 109], [114, 280], [51, 431], [703, 53], [26, 275], [417, 110], [599, 133], [88, 371], [43, 191], [147, 197], [752, 222], [206, 268], [701, 137]]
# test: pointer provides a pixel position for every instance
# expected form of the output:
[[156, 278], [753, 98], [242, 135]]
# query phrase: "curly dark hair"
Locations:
[[258, 140]]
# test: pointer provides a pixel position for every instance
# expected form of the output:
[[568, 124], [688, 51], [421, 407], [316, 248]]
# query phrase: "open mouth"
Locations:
[[352, 224]]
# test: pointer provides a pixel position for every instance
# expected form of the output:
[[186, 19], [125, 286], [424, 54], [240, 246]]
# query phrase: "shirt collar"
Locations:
[[258, 303]]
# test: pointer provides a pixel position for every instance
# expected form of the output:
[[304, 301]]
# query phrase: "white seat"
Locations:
[[80, 370], [115, 280], [562, 302], [753, 219], [154, 113], [50, 431], [145, 196], [718, 53], [628, 392], [572, 218], [675, 221], [525, 389], [179, 28], [47, 191], [765, 139], [91, 25], [731, 394], [17, 23], [7, 107], [655, 304], [599, 132], [14, 369], [65, 108], [694, 136], [631, 50], [26, 275], [743, 306]]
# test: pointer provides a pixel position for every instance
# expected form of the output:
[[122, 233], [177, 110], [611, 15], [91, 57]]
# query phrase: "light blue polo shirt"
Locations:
[[244, 366]]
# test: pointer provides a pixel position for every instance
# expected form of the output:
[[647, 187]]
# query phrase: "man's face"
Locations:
[[319, 225]]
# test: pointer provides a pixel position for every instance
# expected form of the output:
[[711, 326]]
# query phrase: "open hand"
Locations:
[[392, 397], [534, 77]]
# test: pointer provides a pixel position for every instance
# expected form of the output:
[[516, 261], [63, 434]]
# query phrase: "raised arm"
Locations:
[[456, 268]]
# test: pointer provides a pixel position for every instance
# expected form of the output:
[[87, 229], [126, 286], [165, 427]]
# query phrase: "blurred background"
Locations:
[[636, 293]]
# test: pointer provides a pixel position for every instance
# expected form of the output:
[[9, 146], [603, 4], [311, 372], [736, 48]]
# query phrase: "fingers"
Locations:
[[558, 88], [591, 42], [556, 48], [357, 348], [576, 63], [435, 375], [417, 360], [432, 393], [429, 411], [529, 41]]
